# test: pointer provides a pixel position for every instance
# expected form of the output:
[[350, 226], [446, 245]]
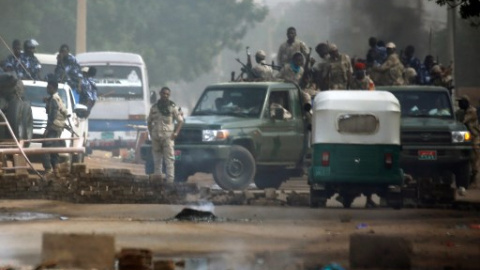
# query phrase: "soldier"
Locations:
[[360, 80], [441, 78], [320, 70], [292, 71], [290, 47], [163, 133], [57, 114], [262, 71], [13, 60], [424, 75], [31, 66], [88, 96], [468, 116], [68, 70], [390, 72], [340, 69], [376, 55], [409, 60], [410, 76]]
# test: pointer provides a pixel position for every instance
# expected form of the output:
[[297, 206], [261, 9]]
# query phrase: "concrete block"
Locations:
[[81, 251], [20, 161], [79, 168], [380, 251]]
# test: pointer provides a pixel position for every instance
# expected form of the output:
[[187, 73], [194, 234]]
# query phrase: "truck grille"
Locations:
[[189, 136], [415, 137]]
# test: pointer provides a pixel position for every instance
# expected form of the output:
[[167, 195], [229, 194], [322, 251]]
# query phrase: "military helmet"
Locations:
[[261, 54], [30, 43]]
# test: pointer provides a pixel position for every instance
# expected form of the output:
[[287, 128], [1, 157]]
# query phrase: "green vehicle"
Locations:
[[234, 134], [436, 147], [355, 147]]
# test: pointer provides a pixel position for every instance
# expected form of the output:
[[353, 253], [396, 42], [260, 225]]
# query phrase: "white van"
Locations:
[[35, 92]]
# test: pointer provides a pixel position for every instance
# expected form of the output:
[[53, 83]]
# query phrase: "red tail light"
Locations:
[[326, 159], [388, 160]]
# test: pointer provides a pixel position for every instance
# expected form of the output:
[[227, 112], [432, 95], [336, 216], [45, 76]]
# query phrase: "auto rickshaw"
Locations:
[[355, 147]]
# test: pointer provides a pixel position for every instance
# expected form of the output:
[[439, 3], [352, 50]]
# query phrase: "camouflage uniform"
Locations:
[[390, 72], [286, 51], [14, 63], [33, 66], [68, 70], [161, 127], [470, 120], [262, 72], [57, 114], [339, 72], [289, 74], [364, 84]]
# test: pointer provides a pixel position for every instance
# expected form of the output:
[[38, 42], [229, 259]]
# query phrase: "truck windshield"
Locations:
[[241, 102], [119, 82], [425, 104]]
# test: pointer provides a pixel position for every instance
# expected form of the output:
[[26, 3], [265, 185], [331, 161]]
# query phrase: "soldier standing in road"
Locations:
[[262, 71], [391, 71], [162, 131], [290, 47], [29, 61], [468, 116], [340, 69], [57, 114]]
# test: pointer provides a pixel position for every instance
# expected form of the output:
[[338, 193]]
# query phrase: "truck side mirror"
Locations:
[[153, 97], [81, 110], [307, 107]]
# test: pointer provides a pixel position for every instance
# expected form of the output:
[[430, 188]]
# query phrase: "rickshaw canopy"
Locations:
[[356, 117]]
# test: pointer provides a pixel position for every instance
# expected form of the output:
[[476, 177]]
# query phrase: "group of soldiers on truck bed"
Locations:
[[382, 65]]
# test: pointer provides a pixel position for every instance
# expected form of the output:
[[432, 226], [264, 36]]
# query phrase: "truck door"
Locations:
[[282, 139]]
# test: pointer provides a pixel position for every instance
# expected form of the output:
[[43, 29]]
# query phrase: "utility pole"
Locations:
[[81, 38]]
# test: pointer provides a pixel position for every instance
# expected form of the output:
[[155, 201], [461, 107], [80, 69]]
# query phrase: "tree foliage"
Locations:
[[468, 9], [177, 38]]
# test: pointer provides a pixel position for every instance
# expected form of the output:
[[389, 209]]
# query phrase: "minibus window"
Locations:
[[357, 123]]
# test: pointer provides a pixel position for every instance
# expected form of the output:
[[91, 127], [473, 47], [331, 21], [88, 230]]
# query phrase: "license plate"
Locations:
[[427, 155], [107, 135], [178, 154], [321, 171]]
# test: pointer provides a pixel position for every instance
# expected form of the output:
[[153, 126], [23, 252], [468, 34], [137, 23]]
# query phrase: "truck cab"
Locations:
[[237, 133]]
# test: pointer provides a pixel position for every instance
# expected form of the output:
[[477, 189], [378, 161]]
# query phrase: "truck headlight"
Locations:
[[209, 135], [461, 136]]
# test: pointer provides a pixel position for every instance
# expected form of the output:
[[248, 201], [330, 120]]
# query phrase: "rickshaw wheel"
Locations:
[[317, 198], [236, 172]]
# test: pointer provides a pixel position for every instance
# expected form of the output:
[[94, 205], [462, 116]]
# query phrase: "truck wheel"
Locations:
[[14, 117], [237, 171], [26, 128], [317, 198], [462, 175]]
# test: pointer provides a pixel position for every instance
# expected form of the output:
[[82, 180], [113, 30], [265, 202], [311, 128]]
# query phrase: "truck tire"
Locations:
[[19, 116], [26, 132], [462, 175], [237, 171]]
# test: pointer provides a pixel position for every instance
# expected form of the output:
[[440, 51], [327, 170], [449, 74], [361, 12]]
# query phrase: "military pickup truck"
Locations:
[[236, 134], [434, 144]]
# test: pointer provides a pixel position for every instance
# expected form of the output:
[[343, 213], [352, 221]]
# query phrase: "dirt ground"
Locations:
[[243, 237]]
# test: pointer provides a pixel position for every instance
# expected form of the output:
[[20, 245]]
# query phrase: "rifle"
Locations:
[[273, 66], [306, 71]]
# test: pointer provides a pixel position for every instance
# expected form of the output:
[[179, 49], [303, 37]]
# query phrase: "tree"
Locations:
[[177, 38], [469, 9]]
